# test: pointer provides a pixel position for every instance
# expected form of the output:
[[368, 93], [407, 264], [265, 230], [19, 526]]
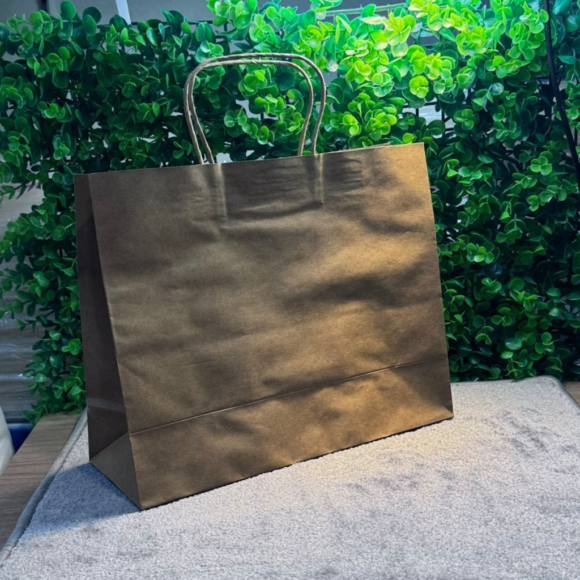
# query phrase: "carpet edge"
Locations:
[[561, 387]]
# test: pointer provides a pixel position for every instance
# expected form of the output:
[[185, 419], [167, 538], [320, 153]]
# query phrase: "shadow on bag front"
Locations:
[[241, 317]]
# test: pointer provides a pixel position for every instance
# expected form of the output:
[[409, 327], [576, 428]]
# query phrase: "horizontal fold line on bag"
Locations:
[[311, 388]]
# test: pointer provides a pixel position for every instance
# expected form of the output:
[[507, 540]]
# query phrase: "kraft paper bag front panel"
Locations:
[[241, 317]]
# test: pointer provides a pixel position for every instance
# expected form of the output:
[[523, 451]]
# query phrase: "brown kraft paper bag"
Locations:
[[241, 317]]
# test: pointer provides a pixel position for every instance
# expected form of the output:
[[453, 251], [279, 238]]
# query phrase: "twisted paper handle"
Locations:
[[192, 118]]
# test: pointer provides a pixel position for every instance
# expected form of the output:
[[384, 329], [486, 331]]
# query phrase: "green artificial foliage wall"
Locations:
[[78, 96]]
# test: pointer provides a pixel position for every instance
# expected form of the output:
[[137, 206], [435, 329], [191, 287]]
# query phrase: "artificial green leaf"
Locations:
[[67, 10], [561, 7], [93, 13], [90, 25], [41, 279], [514, 343], [151, 36]]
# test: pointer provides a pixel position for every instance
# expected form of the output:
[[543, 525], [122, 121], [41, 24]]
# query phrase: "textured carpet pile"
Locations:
[[492, 494]]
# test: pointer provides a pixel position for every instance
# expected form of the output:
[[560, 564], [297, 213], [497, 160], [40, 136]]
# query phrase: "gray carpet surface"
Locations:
[[492, 494]]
